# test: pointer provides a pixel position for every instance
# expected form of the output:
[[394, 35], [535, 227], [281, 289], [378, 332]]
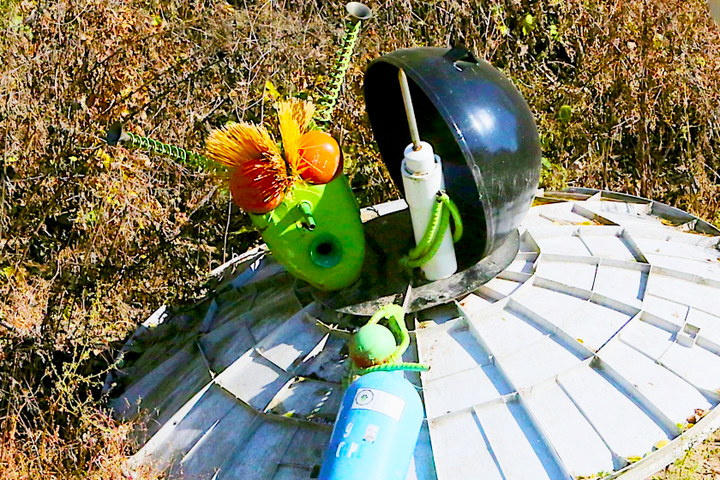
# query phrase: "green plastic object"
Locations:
[[443, 209], [372, 350], [371, 345], [316, 233]]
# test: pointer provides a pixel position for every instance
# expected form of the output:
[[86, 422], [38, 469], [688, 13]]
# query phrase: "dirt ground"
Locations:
[[701, 463]]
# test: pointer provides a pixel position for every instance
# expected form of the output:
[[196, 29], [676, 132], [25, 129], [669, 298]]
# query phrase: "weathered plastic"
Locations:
[[316, 233], [477, 122], [582, 357]]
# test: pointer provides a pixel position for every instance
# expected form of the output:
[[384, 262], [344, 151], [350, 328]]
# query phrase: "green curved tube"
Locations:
[[430, 233], [457, 220], [431, 240], [437, 241], [386, 312], [395, 316]]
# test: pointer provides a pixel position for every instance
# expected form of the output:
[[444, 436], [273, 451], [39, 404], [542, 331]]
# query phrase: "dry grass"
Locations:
[[106, 444], [93, 238], [26, 303], [701, 463], [53, 426]]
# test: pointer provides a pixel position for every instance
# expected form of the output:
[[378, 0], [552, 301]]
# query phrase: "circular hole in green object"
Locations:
[[326, 251]]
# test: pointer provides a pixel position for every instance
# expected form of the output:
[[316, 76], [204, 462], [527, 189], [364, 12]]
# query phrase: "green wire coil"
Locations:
[[391, 367], [326, 103], [165, 149]]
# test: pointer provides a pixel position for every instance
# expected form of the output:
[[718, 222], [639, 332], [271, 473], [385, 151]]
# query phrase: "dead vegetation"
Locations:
[[701, 463], [94, 238]]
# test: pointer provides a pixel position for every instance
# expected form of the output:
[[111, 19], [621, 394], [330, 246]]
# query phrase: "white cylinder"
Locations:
[[422, 179]]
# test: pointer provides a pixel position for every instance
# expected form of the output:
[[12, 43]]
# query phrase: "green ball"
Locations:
[[372, 345]]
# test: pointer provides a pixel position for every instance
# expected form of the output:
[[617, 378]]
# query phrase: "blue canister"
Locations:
[[376, 429]]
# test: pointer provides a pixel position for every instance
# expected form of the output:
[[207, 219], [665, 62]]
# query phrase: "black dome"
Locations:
[[478, 123]]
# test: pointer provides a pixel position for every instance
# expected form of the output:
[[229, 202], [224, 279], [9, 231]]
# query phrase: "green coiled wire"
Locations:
[[326, 104], [390, 367], [165, 149]]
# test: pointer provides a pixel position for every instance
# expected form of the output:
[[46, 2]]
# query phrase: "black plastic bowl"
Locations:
[[478, 123]]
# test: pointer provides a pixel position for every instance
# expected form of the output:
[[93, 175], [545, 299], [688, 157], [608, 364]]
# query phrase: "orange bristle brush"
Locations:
[[259, 176]]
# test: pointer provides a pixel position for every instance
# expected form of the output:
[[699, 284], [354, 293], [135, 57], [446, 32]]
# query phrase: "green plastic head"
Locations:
[[316, 233], [372, 345]]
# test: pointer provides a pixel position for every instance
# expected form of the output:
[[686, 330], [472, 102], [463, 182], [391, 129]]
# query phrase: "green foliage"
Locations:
[[528, 24], [565, 113]]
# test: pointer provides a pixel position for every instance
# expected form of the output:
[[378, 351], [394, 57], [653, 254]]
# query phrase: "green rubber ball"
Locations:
[[372, 345]]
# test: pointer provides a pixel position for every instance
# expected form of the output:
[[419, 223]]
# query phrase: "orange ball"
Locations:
[[256, 187], [319, 157]]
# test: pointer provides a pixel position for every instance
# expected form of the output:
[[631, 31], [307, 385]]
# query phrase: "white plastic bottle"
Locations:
[[423, 178]]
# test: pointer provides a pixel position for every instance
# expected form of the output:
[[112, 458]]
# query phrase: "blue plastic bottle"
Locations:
[[376, 430]]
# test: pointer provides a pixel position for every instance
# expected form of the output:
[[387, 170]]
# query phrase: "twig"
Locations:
[[8, 326], [227, 229]]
